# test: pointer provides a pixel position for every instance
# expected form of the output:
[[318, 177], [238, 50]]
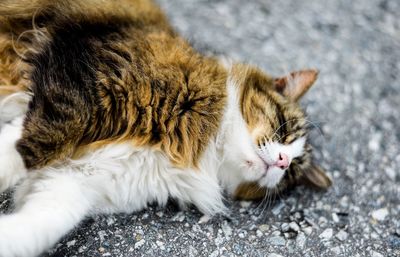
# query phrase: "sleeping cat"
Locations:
[[108, 110]]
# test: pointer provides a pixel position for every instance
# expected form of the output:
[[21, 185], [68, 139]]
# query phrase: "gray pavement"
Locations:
[[355, 103]]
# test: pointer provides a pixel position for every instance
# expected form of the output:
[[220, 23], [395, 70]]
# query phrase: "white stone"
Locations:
[[264, 227], [307, 230], [276, 233], [335, 217], [391, 173], [285, 227], [71, 243], [293, 226], [274, 255], [374, 142], [245, 204], [277, 240], [376, 254], [341, 235], [380, 214], [326, 234]]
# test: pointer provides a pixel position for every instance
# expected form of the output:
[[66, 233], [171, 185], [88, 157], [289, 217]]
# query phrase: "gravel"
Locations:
[[354, 108]]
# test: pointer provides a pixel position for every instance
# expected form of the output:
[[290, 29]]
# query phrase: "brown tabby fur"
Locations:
[[118, 72], [153, 88]]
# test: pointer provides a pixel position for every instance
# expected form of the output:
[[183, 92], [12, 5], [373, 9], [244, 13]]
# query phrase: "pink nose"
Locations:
[[283, 161]]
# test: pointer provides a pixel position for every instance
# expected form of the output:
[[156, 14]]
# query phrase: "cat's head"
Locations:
[[278, 129]]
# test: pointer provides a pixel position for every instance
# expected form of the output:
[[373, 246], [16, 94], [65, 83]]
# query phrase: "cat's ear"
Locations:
[[316, 177], [296, 84]]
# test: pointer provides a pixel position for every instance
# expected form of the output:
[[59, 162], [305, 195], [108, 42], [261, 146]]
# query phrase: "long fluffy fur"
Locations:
[[122, 113]]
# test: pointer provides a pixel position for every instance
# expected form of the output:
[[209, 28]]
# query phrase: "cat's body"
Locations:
[[122, 113]]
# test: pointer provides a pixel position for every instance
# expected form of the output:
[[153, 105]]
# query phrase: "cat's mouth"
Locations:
[[266, 167]]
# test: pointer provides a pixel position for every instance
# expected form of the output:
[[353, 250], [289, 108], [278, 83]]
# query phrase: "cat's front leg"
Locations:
[[48, 206], [12, 167]]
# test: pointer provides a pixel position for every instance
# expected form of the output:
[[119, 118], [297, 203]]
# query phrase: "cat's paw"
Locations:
[[12, 170]]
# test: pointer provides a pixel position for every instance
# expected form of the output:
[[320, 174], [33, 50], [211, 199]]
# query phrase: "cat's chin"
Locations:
[[271, 178]]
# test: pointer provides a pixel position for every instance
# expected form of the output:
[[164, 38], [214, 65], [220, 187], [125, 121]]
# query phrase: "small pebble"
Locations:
[[341, 235], [71, 243], [245, 204], [274, 255], [276, 233], [294, 227], [326, 234], [285, 227], [307, 230], [380, 214], [322, 221], [390, 173], [335, 218], [376, 254], [264, 227], [277, 240]]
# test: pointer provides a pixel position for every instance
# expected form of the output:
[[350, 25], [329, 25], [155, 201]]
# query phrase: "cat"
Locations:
[[108, 110]]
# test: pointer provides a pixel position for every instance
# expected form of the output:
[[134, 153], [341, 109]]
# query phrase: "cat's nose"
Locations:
[[283, 161]]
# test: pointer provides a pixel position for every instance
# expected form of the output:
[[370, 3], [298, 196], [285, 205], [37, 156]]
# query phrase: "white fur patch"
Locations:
[[115, 178], [240, 159], [270, 153], [12, 167]]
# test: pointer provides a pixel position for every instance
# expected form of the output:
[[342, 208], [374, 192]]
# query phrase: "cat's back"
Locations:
[[123, 74]]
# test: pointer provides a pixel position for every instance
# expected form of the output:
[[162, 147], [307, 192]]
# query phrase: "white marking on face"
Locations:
[[271, 153]]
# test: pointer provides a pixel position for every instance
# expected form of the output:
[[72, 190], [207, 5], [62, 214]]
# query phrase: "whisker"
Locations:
[[265, 201]]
